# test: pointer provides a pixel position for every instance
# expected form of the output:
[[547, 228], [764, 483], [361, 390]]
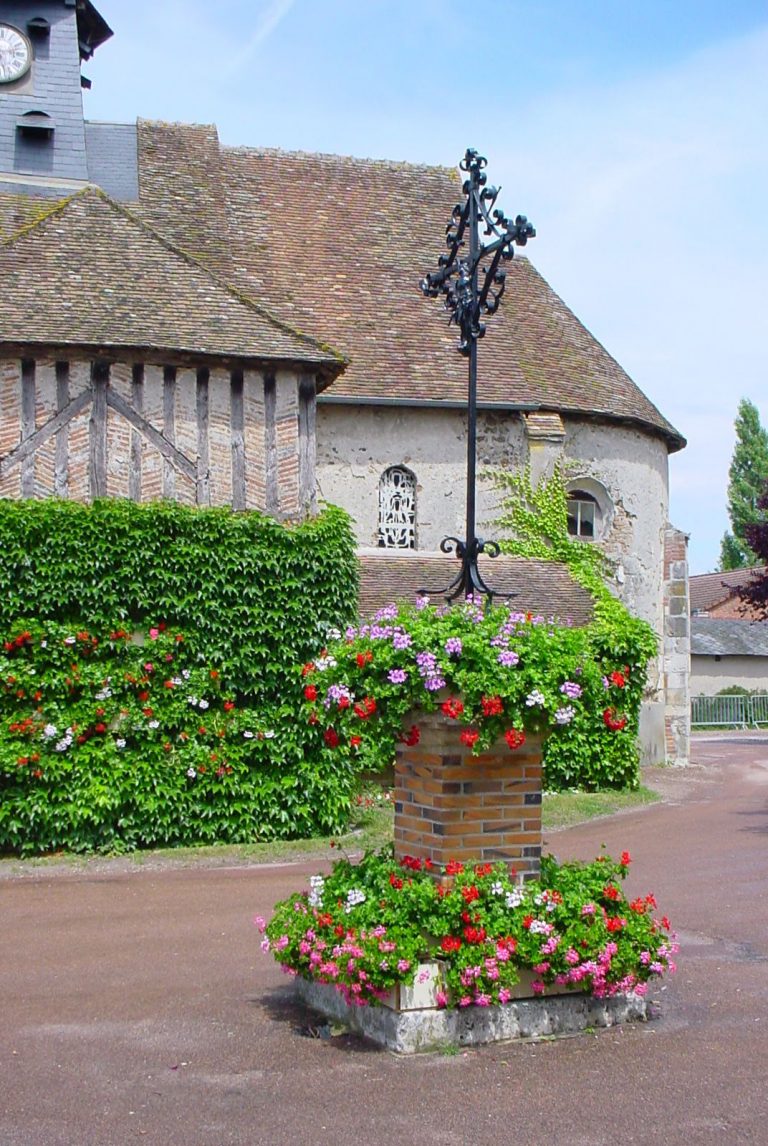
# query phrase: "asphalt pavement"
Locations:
[[136, 1007]]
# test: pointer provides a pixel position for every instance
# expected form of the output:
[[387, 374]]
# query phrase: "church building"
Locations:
[[244, 326]]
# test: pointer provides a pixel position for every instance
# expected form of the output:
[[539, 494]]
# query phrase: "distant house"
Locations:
[[727, 652], [715, 594]]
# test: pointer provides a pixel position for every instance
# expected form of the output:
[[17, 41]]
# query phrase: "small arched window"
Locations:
[[583, 514], [397, 509]]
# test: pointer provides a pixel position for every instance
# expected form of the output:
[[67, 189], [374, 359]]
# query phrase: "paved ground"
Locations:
[[137, 1008]]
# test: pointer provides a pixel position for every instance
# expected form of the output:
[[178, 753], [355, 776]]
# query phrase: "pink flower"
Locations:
[[504, 995], [154, 634], [537, 987], [441, 999], [260, 922], [465, 1001], [403, 965], [482, 1000]]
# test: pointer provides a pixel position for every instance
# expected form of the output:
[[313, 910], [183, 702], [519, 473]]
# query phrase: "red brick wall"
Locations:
[[450, 804]]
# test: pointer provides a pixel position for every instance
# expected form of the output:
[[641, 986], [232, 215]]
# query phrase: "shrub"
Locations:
[[251, 595], [111, 743]]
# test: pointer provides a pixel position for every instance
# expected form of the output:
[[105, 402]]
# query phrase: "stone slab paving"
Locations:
[[137, 1008]]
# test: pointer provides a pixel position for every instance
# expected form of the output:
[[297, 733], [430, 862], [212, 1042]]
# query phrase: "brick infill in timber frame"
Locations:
[[451, 805]]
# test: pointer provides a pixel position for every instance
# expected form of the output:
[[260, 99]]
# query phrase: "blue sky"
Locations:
[[632, 134]]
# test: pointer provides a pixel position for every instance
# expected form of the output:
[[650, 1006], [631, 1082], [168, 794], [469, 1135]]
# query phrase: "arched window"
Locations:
[[583, 514], [397, 509]]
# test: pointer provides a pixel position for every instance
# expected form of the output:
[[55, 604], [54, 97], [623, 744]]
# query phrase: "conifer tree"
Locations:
[[747, 476]]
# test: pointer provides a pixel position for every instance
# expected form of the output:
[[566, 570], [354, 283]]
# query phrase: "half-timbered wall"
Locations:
[[200, 436]]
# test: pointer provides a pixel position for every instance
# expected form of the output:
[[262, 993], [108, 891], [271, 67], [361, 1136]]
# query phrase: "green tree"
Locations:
[[747, 476]]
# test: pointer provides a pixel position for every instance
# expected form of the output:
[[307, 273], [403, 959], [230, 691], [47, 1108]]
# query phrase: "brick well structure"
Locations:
[[450, 804]]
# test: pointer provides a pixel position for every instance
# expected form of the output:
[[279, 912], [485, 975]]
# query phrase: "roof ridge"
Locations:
[[178, 252], [437, 168]]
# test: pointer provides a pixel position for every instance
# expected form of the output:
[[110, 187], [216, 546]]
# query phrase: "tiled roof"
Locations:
[[540, 586], [343, 243], [89, 273], [17, 211], [709, 589], [715, 638]]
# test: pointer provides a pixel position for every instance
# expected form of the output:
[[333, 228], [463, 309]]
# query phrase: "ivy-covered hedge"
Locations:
[[252, 595], [110, 744]]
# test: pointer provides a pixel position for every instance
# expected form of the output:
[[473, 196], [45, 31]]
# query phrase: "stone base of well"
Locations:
[[451, 805], [413, 1031]]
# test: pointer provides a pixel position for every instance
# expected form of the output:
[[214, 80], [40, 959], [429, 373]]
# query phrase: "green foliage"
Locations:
[[117, 741], [366, 928], [252, 595], [747, 479], [582, 755]]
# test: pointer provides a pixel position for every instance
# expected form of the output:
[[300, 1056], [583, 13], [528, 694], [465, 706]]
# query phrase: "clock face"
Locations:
[[15, 54]]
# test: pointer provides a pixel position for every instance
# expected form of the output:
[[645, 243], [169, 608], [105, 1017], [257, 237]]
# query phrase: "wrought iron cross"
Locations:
[[471, 291]]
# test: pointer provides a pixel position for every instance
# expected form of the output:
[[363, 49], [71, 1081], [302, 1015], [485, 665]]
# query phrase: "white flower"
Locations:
[[539, 927], [186, 674], [354, 896], [268, 735], [334, 634], [497, 888], [248, 735], [49, 731], [43, 644], [154, 724], [191, 773], [176, 680], [514, 898], [104, 694], [120, 743], [565, 715], [323, 663], [69, 640], [192, 700], [316, 884], [203, 704], [535, 697]]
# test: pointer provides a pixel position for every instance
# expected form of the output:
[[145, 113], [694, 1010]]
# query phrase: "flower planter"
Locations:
[[453, 805], [431, 1029]]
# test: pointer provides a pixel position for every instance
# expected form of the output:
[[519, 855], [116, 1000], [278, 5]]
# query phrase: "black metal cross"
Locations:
[[470, 292]]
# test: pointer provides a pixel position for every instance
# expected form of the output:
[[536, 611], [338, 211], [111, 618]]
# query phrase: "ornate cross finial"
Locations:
[[471, 279]]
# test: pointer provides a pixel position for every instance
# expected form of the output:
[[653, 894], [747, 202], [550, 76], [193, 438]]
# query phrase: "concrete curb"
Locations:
[[410, 1032]]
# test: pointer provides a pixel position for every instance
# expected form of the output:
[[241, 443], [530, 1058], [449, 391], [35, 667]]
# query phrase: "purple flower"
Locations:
[[453, 646], [422, 601], [565, 715], [401, 640], [571, 690], [508, 658], [397, 676], [434, 683]]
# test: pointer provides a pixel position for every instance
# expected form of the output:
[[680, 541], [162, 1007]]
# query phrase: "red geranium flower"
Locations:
[[610, 892], [626, 859], [310, 692], [308, 668], [492, 705], [364, 658], [613, 721], [474, 934], [412, 737], [450, 943], [396, 882], [470, 894], [618, 679], [515, 738], [355, 741], [331, 737], [469, 737], [483, 869], [452, 707], [453, 867], [229, 705]]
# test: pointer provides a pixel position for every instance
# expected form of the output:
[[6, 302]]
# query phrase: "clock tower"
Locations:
[[43, 138]]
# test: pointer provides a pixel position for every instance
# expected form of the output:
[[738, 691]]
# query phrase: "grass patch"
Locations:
[[564, 809]]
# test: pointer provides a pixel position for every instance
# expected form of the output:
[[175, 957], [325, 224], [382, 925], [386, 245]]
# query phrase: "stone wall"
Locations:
[[677, 648]]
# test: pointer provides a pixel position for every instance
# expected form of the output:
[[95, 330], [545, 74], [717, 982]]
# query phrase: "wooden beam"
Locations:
[[168, 451], [27, 447]]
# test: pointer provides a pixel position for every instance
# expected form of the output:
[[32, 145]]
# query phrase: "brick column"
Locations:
[[450, 804]]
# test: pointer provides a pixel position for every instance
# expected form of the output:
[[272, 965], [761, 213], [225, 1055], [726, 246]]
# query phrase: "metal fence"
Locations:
[[729, 711]]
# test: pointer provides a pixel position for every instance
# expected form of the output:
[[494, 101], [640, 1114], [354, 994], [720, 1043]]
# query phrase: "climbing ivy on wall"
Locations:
[[535, 521], [253, 596]]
